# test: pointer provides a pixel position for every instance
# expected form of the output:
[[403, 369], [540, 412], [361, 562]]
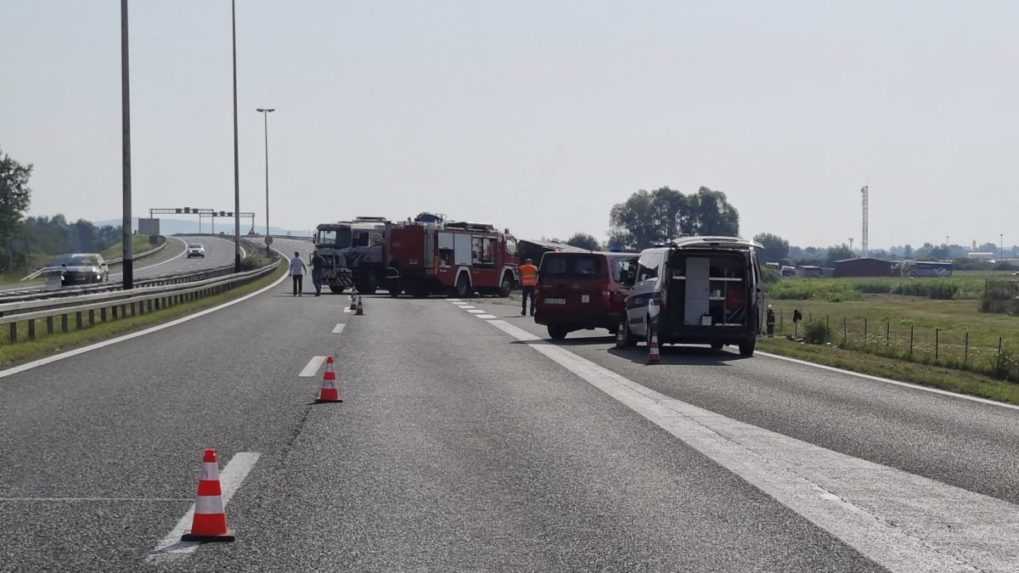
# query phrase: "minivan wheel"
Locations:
[[746, 348], [624, 339], [557, 331], [463, 287]]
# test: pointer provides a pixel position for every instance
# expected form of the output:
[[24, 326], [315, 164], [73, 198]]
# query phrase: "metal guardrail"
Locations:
[[120, 303], [114, 261], [68, 292]]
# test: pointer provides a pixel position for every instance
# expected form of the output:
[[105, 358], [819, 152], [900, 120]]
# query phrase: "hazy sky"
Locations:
[[536, 116]]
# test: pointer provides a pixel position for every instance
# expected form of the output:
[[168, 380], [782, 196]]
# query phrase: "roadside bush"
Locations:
[[1000, 297], [816, 289], [873, 287], [254, 261], [770, 276], [939, 290], [816, 332]]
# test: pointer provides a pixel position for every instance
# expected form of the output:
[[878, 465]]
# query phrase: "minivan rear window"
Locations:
[[573, 266]]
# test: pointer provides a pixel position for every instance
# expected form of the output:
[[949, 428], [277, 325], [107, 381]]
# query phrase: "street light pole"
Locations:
[[127, 266], [237, 173], [265, 111]]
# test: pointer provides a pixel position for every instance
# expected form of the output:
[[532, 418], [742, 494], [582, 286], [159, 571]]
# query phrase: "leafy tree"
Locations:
[[15, 196], [584, 241], [776, 249], [839, 252], [907, 251], [711, 214], [655, 217]]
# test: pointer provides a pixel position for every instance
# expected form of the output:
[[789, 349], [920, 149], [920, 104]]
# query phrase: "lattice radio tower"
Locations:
[[865, 243]]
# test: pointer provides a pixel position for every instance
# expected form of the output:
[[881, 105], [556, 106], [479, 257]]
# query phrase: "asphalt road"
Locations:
[[469, 443]]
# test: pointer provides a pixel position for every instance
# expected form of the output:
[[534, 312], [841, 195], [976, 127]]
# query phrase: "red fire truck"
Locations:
[[428, 256]]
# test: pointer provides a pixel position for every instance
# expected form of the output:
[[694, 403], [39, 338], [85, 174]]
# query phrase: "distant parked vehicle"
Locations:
[[196, 250], [81, 268], [700, 290], [582, 291]]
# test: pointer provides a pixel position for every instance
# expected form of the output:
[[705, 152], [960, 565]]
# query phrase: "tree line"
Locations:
[[23, 237]]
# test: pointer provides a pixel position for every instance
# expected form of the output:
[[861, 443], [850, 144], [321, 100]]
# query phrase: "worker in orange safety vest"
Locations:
[[528, 280]]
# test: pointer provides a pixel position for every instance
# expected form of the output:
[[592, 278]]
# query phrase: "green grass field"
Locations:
[[967, 285], [139, 244], [952, 332]]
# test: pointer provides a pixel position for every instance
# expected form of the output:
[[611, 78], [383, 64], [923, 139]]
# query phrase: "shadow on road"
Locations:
[[680, 355]]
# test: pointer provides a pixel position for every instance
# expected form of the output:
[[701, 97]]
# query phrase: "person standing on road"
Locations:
[[297, 268], [528, 280], [317, 268]]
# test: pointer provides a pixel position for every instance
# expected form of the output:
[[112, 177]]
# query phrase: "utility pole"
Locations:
[[237, 172], [865, 243], [265, 111], [127, 273]]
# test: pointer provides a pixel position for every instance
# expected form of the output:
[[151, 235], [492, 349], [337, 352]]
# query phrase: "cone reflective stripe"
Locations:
[[209, 523], [329, 392], [653, 357]]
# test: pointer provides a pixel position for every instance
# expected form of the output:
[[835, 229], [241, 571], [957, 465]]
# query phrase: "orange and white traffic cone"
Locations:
[[360, 307], [209, 523], [653, 357], [329, 392]]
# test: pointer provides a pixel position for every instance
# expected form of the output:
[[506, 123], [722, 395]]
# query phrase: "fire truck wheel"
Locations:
[[463, 287], [337, 289], [506, 286]]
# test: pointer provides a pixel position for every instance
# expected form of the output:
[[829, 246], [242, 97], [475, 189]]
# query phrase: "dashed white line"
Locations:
[[870, 507], [312, 367], [486, 316], [476, 311], [231, 478], [338, 329]]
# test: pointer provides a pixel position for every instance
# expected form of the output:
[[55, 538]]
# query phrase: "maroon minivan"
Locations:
[[582, 290]]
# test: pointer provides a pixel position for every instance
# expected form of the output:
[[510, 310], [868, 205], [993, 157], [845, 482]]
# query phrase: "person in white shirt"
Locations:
[[297, 269]]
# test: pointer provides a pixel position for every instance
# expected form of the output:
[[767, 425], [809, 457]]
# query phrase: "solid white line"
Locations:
[[890, 381], [63, 355], [312, 367], [486, 316], [231, 478], [338, 329], [901, 521]]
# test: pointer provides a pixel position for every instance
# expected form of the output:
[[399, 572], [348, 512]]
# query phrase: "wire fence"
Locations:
[[948, 348]]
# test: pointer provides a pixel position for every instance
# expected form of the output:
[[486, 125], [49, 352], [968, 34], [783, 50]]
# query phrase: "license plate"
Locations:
[[555, 301], [585, 298]]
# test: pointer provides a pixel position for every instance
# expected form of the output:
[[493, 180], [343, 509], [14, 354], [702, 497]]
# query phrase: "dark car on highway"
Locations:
[[81, 268], [582, 291]]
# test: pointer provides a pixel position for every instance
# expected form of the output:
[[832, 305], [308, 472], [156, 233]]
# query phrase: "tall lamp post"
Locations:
[[127, 273], [265, 111], [237, 173]]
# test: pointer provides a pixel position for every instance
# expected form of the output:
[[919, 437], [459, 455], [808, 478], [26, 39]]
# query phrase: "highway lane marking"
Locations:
[[64, 355], [486, 316], [901, 521], [312, 367], [338, 329], [346, 310], [890, 381], [231, 478], [476, 311]]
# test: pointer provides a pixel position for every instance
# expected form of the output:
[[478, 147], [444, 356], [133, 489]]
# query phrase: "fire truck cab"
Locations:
[[430, 256], [354, 253]]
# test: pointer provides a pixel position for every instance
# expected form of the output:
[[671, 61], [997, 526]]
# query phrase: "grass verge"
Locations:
[[46, 345], [959, 381]]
